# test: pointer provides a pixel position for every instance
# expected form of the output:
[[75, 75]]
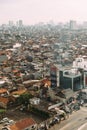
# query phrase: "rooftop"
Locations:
[[72, 73], [22, 124]]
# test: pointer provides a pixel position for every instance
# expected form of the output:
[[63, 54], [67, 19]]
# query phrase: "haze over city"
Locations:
[[43, 64], [35, 11]]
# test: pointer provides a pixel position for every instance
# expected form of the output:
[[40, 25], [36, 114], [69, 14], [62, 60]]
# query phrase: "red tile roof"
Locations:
[[4, 100], [46, 81], [22, 124], [15, 71], [19, 92], [2, 90]]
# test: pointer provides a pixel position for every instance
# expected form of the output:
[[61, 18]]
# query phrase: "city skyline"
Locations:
[[35, 11]]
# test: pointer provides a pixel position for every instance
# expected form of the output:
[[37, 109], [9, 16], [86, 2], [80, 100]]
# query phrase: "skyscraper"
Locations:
[[10, 23], [73, 25], [20, 23]]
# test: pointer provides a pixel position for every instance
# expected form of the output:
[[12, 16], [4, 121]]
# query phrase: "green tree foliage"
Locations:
[[39, 112], [24, 99], [2, 113]]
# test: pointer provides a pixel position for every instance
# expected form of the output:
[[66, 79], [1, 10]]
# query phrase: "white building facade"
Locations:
[[81, 63]]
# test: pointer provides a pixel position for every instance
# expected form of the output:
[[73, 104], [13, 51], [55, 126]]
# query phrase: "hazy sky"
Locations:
[[34, 11]]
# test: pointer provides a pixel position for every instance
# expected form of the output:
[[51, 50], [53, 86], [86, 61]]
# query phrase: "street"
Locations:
[[76, 121]]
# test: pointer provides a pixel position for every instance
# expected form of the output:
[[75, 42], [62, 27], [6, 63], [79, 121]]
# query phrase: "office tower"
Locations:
[[54, 75], [10, 23], [70, 79], [20, 23], [85, 79], [73, 25], [85, 25]]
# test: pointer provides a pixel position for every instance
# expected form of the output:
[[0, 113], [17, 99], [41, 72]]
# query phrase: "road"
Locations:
[[76, 121], [83, 127]]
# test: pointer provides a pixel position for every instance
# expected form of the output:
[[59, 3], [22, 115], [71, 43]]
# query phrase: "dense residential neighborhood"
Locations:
[[43, 75]]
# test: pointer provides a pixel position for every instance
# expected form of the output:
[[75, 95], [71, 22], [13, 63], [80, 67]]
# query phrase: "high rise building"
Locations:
[[73, 25], [20, 23], [85, 79], [70, 79], [10, 23], [85, 25], [54, 75], [80, 62], [17, 24]]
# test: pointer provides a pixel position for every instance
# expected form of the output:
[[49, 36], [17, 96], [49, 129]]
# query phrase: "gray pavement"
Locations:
[[76, 121], [83, 127]]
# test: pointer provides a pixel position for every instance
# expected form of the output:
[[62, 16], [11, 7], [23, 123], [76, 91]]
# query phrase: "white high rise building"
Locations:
[[73, 25], [80, 62], [19, 23]]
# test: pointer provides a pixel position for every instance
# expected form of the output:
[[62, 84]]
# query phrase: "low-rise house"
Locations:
[[7, 69], [7, 99], [3, 57], [2, 83], [24, 124], [4, 102], [83, 94], [19, 92], [3, 92], [35, 101], [30, 82]]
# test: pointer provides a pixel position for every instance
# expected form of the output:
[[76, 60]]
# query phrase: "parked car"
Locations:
[[4, 120], [77, 107], [55, 120], [70, 100], [4, 128]]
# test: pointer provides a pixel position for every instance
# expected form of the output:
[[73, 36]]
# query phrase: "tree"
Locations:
[[24, 98], [2, 112]]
